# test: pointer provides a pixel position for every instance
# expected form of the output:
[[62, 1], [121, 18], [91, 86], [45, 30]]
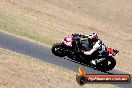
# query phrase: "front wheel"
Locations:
[[58, 50], [108, 64]]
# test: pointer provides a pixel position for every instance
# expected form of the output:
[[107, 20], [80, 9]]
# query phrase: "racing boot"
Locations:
[[96, 61]]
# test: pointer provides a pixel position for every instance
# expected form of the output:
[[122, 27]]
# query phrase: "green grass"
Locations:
[[11, 25]]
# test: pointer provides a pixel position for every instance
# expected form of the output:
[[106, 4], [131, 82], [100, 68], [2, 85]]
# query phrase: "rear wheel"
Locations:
[[58, 50]]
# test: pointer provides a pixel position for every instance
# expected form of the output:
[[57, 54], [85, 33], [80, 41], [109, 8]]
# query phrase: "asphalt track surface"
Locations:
[[43, 53]]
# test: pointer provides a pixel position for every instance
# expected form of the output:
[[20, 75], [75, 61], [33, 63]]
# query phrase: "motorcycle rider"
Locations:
[[97, 45]]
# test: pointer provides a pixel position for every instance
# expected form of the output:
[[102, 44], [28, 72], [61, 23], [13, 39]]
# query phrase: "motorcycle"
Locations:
[[72, 45]]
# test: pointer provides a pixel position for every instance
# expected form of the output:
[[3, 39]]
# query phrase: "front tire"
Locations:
[[108, 64], [58, 50]]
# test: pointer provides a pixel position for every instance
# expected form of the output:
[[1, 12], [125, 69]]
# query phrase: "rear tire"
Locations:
[[58, 50]]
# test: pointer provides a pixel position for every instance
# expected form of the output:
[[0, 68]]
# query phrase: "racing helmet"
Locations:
[[93, 37]]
